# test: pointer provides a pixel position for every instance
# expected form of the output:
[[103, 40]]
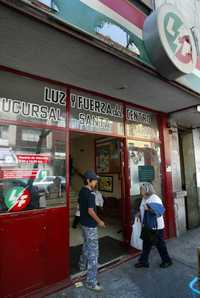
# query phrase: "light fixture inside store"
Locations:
[[198, 108]]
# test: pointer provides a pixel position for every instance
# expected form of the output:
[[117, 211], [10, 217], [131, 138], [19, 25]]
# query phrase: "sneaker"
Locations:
[[166, 264], [141, 265], [96, 288]]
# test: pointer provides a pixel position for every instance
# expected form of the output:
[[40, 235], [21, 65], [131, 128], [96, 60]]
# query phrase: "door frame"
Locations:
[[125, 194]]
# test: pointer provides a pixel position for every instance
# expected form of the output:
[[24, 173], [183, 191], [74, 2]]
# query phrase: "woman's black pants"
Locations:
[[160, 245]]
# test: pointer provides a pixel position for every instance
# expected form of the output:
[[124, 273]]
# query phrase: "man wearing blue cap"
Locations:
[[89, 221]]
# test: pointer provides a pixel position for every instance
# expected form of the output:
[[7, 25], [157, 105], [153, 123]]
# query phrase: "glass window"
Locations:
[[142, 4], [96, 114], [141, 124], [31, 101], [31, 135], [4, 135], [144, 166], [32, 169], [49, 4], [46, 2], [149, 3]]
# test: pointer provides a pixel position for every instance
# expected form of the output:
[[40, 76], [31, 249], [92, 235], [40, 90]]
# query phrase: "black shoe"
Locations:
[[166, 264], [141, 265]]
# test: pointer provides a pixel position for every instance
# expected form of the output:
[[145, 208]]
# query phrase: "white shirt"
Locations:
[[99, 199], [152, 199]]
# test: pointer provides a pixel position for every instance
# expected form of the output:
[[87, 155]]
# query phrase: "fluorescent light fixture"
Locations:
[[198, 108]]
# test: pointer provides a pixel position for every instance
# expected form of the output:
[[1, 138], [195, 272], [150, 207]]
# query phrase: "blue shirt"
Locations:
[[86, 200]]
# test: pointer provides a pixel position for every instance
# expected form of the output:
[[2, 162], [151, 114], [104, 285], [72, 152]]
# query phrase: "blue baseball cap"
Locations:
[[91, 175]]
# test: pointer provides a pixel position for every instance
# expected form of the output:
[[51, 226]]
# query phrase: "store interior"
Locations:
[[102, 154]]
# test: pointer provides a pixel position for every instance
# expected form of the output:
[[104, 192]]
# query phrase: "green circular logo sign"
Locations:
[[169, 42], [17, 198], [177, 39]]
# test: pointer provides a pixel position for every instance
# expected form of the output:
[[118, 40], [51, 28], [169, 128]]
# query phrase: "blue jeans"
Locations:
[[90, 254]]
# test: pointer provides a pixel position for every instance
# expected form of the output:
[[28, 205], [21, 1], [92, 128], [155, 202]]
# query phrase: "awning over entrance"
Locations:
[[187, 118], [69, 60]]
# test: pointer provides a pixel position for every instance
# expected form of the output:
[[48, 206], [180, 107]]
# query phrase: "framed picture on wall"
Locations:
[[108, 157], [103, 158], [106, 183]]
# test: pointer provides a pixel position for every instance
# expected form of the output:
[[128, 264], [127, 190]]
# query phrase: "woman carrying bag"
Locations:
[[151, 215]]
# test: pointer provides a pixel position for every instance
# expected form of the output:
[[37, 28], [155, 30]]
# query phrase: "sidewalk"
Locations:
[[127, 282]]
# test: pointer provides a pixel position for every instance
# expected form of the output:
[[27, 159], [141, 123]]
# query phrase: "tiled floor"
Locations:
[[112, 229]]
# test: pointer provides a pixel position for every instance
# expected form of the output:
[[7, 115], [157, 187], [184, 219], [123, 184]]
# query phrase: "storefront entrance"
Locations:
[[105, 156], [50, 135]]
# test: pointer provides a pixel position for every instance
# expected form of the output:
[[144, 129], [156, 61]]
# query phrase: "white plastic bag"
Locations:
[[136, 241]]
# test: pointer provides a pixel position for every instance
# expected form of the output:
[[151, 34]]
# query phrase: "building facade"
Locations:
[[84, 86]]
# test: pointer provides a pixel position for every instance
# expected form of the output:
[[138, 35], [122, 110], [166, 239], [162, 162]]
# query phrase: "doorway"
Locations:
[[189, 179], [105, 156]]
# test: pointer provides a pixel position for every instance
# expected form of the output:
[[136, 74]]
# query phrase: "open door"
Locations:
[[105, 155]]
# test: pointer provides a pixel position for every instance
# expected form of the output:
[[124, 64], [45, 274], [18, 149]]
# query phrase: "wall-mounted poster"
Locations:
[[106, 183], [136, 159], [108, 156], [103, 158], [146, 173]]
